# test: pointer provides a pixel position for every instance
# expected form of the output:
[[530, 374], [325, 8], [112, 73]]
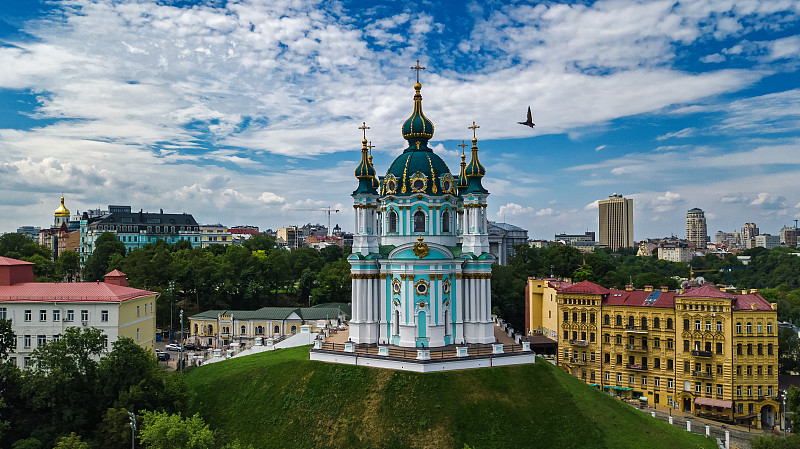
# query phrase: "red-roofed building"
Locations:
[[41, 311], [710, 352]]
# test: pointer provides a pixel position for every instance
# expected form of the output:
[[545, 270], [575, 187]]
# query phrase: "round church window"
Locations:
[[419, 184], [391, 185], [446, 185], [422, 288], [396, 287]]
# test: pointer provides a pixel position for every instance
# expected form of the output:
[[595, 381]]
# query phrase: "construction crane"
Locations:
[[692, 271], [327, 211]]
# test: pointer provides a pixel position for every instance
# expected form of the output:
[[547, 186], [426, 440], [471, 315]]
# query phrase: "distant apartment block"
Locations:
[[136, 229], [585, 242], [767, 241], [677, 251], [749, 231], [30, 231], [696, 230], [788, 236], [616, 222], [215, 235]]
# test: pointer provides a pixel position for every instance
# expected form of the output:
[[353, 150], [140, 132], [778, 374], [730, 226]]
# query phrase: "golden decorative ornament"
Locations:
[[421, 249]]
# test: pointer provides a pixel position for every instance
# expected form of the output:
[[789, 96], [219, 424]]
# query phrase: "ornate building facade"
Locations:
[[421, 265]]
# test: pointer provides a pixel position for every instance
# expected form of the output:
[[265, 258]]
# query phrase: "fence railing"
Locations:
[[411, 353]]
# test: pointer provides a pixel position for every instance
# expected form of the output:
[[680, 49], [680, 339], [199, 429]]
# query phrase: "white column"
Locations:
[[473, 292], [487, 283], [354, 297], [368, 298]]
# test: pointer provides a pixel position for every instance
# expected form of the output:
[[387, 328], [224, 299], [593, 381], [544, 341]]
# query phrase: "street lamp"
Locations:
[[171, 305], [784, 414], [180, 342], [133, 428]]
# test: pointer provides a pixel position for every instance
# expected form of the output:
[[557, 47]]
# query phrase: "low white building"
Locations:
[[40, 312], [675, 252]]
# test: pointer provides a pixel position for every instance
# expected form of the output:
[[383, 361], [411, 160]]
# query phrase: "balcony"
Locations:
[[636, 329], [578, 361], [636, 367], [635, 348], [699, 353], [702, 374], [579, 342]]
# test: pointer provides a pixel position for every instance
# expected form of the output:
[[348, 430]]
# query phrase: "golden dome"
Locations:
[[62, 211]]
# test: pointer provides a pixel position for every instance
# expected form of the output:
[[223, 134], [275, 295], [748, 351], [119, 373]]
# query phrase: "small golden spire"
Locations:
[[370, 146], [417, 68], [364, 128], [473, 128]]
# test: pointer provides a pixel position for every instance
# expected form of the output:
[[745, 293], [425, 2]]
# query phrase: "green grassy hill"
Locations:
[[281, 399]]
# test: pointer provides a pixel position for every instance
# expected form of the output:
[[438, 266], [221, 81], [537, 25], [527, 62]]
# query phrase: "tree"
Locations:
[[114, 431], [788, 350], [72, 441], [69, 264], [62, 394], [161, 430], [22, 247], [333, 283], [7, 339], [97, 263]]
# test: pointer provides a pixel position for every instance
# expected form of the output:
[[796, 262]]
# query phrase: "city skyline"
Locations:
[[241, 112]]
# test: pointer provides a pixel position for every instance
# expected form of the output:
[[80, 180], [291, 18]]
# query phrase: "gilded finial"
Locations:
[[364, 128], [370, 146], [473, 128], [463, 145], [417, 68]]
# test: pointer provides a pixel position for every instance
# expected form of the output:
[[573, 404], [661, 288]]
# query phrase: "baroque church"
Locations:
[[420, 267]]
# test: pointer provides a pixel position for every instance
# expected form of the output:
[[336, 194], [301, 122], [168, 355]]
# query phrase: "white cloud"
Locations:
[[591, 206], [686, 132], [716, 57], [598, 148], [546, 212], [514, 209]]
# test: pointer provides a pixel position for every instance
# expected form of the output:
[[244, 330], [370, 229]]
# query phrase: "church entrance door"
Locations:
[[422, 329]]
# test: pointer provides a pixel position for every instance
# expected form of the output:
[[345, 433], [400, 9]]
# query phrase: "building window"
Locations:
[[749, 349], [392, 221], [42, 315], [28, 314], [760, 349], [686, 326], [566, 316], [739, 349], [137, 334], [719, 390], [769, 349], [749, 370], [26, 361], [606, 320], [137, 311], [687, 366], [670, 344], [419, 221], [619, 377], [708, 326], [70, 316], [607, 376], [631, 378], [698, 388], [619, 358], [749, 390], [685, 345], [3, 313], [566, 354], [656, 382], [669, 323], [644, 381], [769, 328], [104, 316], [619, 339], [56, 337], [719, 369], [656, 362], [591, 337], [670, 383], [591, 357], [84, 315], [446, 221], [26, 342], [719, 326], [243, 330], [738, 328], [619, 320], [575, 316], [56, 315], [758, 330], [669, 364], [41, 340], [738, 370], [607, 358], [708, 388], [749, 328], [697, 325]]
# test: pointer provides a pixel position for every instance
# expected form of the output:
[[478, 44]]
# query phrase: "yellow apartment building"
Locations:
[[704, 351], [541, 306]]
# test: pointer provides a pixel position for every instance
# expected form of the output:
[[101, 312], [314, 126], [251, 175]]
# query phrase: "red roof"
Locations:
[[10, 261], [243, 231], [744, 302], [713, 402], [116, 273], [640, 298], [586, 287], [69, 292], [706, 291]]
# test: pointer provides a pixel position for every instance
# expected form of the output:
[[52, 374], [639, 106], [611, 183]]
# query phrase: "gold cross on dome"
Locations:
[[417, 68], [473, 128], [364, 128], [370, 146], [463, 145]]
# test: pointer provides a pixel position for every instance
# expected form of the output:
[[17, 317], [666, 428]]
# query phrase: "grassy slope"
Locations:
[[281, 399]]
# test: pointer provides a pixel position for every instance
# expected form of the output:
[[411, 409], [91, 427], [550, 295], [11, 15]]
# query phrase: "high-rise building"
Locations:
[[696, 231], [616, 222], [749, 232], [788, 236]]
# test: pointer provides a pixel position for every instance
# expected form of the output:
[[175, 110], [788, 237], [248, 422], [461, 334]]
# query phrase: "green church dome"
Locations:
[[418, 170], [365, 173], [417, 127]]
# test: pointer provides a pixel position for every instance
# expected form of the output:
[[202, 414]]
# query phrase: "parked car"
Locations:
[[190, 347], [162, 356], [172, 347]]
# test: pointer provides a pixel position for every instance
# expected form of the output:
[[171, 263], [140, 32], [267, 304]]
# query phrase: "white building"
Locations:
[[40, 312], [767, 241]]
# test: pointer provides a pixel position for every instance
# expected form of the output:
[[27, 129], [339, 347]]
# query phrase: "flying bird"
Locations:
[[528, 122]]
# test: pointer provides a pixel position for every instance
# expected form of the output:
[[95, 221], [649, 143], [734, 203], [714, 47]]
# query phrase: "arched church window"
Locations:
[[392, 221], [446, 221], [195, 328], [419, 221], [277, 330], [396, 322]]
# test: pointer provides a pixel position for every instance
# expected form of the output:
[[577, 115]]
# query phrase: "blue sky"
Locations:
[[241, 111]]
